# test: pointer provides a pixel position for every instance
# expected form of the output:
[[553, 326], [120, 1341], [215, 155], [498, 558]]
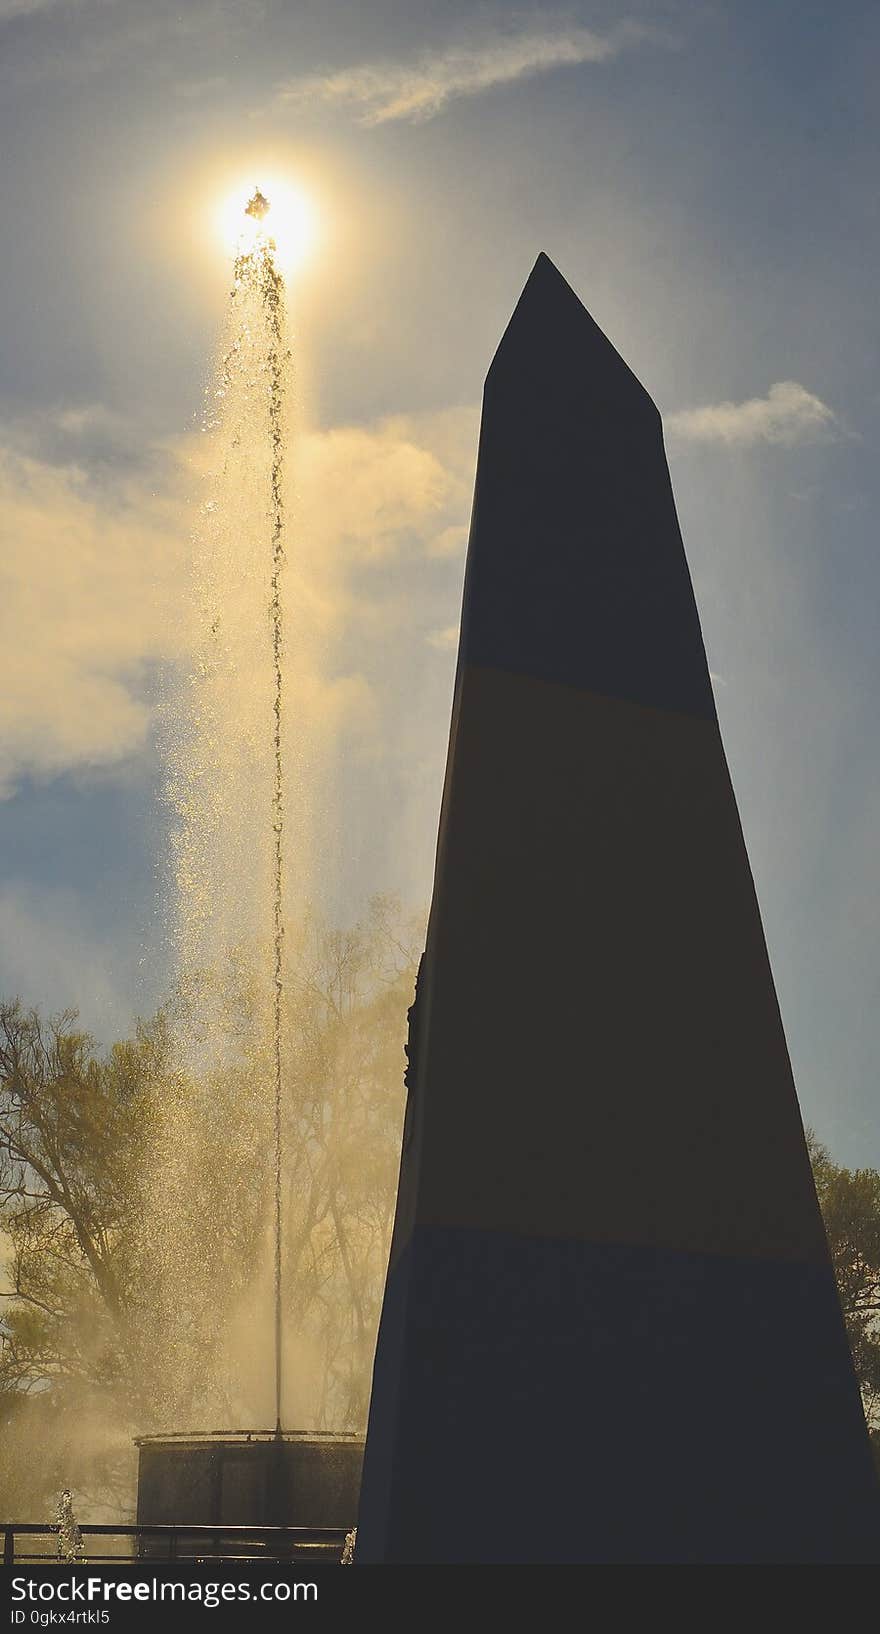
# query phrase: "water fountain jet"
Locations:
[[260, 1477]]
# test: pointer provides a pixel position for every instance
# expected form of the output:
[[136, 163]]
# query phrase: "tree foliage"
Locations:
[[135, 1198], [850, 1203], [72, 1133]]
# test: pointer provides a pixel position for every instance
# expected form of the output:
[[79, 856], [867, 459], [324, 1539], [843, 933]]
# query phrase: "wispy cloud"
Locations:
[[22, 8], [788, 415], [419, 89]]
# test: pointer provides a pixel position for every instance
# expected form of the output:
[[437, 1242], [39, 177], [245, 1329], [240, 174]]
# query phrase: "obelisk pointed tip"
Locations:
[[543, 266], [546, 282], [550, 330]]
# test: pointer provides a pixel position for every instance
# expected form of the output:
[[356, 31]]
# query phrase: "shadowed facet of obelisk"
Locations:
[[611, 1331]]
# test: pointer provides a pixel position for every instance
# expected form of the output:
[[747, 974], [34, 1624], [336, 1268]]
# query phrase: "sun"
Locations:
[[271, 207]]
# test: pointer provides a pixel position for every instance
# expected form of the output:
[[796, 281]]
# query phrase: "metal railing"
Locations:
[[321, 1544]]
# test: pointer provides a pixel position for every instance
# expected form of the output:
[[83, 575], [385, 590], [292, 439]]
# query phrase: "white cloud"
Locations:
[[444, 640], [87, 583], [419, 89], [449, 541], [367, 495], [366, 488], [788, 415], [94, 553]]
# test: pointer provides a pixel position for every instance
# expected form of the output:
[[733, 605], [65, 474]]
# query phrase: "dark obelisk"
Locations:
[[611, 1331]]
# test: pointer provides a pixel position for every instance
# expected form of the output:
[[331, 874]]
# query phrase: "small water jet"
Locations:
[[256, 269]]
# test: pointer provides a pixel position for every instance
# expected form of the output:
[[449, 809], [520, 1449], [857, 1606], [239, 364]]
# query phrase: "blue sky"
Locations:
[[703, 174]]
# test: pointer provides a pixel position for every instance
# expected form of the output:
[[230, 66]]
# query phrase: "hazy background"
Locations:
[[703, 174]]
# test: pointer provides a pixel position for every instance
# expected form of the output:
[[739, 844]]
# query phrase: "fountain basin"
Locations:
[[249, 1478]]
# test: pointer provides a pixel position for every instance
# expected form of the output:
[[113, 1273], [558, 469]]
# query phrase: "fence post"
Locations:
[[9, 1545]]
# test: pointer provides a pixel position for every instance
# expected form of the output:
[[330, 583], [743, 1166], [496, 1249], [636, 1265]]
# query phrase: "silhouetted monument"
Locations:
[[611, 1331]]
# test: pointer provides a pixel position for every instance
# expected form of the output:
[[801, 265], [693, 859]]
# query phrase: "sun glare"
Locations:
[[281, 213]]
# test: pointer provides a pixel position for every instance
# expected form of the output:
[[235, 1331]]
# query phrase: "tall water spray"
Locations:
[[227, 750]]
